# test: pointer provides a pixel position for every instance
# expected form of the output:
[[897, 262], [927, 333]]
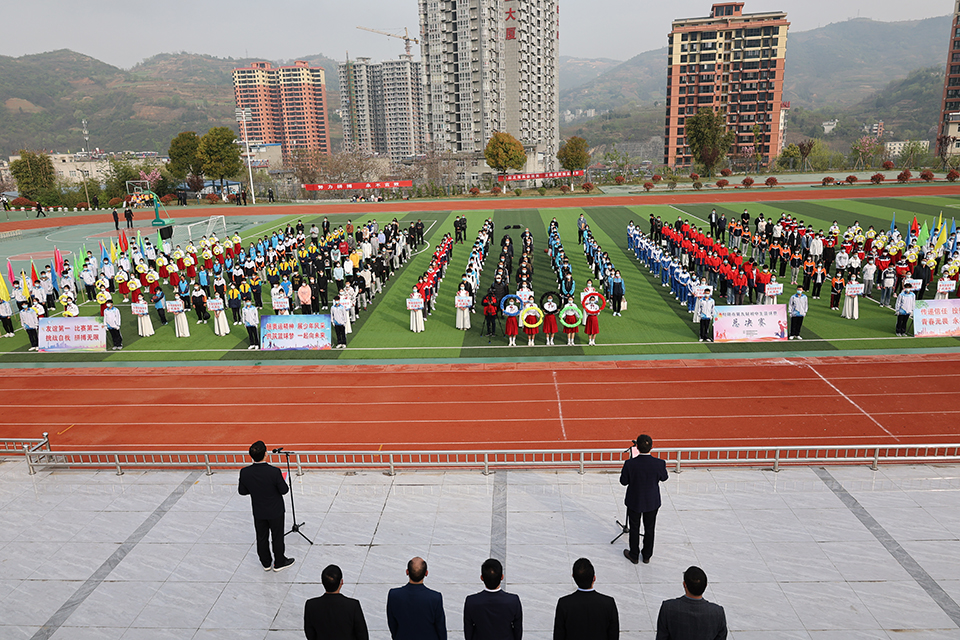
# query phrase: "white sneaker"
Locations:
[[799, 337]]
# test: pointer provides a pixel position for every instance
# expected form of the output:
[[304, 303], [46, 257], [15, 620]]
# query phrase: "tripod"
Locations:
[[293, 507]]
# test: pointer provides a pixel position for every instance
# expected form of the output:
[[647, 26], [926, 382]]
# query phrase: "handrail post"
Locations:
[[206, 463], [116, 460], [486, 464], [299, 468], [392, 472], [581, 463], [677, 470], [776, 461], [26, 454], [46, 441], [876, 459]]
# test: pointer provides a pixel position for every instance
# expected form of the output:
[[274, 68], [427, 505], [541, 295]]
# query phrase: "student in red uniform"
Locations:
[[836, 290], [572, 318], [512, 314], [591, 307], [530, 326], [550, 309]]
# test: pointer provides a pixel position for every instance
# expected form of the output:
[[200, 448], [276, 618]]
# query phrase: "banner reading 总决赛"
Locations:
[[751, 323], [936, 318], [279, 333], [79, 333]]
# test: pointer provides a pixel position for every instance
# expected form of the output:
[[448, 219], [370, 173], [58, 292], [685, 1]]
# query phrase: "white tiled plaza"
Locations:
[[844, 553]]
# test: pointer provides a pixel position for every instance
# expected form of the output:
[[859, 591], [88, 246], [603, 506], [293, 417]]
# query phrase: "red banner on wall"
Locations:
[[539, 176], [339, 186]]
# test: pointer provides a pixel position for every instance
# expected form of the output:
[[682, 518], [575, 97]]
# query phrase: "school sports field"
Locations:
[[847, 382]]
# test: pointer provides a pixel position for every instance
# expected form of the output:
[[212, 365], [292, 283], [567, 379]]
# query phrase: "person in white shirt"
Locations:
[[797, 308], [251, 320], [904, 307], [111, 318], [842, 260], [31, 322]]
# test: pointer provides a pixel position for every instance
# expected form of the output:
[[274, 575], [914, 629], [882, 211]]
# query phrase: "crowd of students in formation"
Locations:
[[736, 264], [520, 311], [301, 270], [416, 612]]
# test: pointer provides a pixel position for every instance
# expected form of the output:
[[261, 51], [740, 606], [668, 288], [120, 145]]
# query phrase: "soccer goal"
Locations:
[[206, 227]]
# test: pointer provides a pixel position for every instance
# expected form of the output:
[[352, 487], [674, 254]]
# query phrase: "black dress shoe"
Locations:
[[626, 554], [646, 560]]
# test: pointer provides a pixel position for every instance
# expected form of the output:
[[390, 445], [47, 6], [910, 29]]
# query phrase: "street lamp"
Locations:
[[243, 117]]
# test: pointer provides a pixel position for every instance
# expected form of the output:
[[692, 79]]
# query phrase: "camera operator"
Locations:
[[642, 475]]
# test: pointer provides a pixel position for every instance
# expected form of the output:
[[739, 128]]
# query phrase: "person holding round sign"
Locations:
[[142, 311], [549, 306], [415, 305], [851, 299], [510, 305], [532, 319], [593, 304], [463, 301], [570, 318]]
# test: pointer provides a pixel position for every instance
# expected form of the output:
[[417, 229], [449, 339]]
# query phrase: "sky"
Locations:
[[123, 33]]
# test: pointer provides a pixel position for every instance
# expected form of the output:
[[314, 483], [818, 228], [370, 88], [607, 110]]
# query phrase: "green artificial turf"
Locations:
[[654, 324]]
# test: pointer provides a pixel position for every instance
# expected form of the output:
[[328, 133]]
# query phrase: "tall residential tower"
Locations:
[[382, 107], [949, 126], [288, 105], [492, 65], [731, 62]]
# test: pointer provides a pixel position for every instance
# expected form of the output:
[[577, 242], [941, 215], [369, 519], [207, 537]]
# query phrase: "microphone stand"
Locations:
[[293, 507], [624, 527]]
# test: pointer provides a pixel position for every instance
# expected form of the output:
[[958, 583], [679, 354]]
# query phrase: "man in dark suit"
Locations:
[[642, 475], [333, 616], [415, 612], [690, 617], [492, 614], [586, 614], [266, 487]]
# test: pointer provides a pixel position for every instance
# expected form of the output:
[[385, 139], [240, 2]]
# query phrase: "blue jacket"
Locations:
[[642, 476], [415, 612]]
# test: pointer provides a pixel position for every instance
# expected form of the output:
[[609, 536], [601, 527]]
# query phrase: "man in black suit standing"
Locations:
[[266, 487], [586, 614], [690, 617], [492, 614], [642, 475], [415, 612], [333, 616]]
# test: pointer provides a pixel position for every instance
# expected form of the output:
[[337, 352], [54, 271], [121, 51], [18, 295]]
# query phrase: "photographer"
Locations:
[[642, 475]]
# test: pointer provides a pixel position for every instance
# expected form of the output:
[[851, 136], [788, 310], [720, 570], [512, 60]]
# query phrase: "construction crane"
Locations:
[[405, 37]]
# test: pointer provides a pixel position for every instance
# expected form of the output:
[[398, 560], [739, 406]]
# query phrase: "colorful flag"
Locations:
[[953, 232], [941, 237], [893, 223], [124, 246], [24, 287], [914, 228], [57, 260], [159, 241], [113, 252], [924, 234], [10, 272], [33, 272], [140, 244], [103, 252], [53, 278], [4, 292]]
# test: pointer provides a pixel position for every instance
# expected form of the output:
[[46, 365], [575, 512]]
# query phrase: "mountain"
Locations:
[[841, 63], [44, 98], [577, 71]]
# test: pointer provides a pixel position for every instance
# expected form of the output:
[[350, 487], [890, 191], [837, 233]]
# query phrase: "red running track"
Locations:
[[803, 401], [321, 207]]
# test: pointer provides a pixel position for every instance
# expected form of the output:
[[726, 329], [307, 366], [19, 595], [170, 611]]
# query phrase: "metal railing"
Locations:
[[41, 457], [16, 446]]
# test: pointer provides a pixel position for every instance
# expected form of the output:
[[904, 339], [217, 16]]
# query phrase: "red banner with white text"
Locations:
[[340, 186], [540, 176]]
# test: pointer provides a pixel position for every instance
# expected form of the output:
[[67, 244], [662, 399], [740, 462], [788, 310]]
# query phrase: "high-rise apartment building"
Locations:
[[382, 107], [949, 126], [288, 105], [492, 65], [731, 62]]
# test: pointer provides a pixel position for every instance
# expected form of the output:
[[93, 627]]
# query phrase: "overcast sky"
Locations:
[[123, 33]]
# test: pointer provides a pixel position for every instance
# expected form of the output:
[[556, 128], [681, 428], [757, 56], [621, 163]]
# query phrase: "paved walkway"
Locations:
[[843, 553]]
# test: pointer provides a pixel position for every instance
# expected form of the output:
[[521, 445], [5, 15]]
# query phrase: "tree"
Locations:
[[573, 154], [944, 146], [220, 154], [866, 149], [504, 152], [805, 148], [708, 137], [184, 155], [34, 174]]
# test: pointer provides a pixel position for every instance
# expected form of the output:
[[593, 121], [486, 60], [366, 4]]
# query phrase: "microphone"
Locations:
[[278, 450]]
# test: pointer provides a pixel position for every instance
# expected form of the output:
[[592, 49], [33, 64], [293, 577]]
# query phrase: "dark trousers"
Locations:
[[816, 289], [265, 530], [491, 325], [163, 315], [35, 341], [617, 302], [236, 313], [705, 329], [7, 324], [901, 323], [129, 223], [253, 333], [341, 332], [116, 337], [796, 322], [649, 528]]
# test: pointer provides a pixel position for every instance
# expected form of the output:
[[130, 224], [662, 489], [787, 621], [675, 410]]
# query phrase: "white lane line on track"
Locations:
[[847, 398], [563, 428]]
